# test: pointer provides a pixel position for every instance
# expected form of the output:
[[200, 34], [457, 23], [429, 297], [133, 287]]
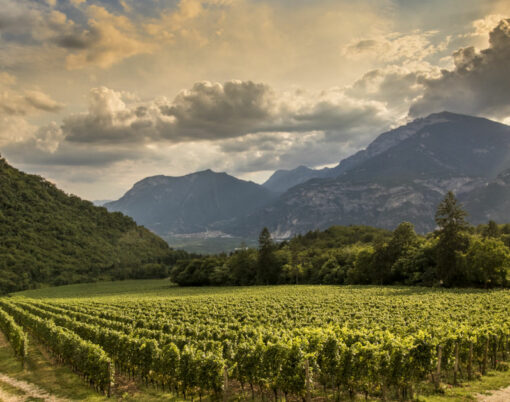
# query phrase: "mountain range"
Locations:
[[192, 203], [401, 176]]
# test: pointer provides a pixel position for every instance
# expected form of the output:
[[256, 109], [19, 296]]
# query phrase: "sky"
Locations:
[[96, 95]]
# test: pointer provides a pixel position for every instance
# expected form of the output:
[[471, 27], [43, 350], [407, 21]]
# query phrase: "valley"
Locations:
[[401, 176]]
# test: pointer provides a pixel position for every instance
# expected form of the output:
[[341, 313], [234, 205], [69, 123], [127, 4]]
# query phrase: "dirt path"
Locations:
[[29, 390], [502, 395], [5, 397]]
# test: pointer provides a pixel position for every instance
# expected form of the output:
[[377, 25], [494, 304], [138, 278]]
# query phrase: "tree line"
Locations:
[[455, 254]]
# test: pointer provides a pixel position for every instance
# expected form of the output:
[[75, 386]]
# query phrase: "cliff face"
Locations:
[[401, 176]]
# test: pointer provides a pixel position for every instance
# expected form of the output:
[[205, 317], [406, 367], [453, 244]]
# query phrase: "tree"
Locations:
[[488, 262], [243, 266], [404, 237], [451, 220], [492, 230], [386, 255], [292, 269], [267, 267]]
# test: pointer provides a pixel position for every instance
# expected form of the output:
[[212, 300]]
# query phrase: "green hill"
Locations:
[[50, 238]]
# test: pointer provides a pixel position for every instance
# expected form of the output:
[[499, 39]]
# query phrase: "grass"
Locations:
[[39, 370], [135, 288], [61, 382], [467, 391]]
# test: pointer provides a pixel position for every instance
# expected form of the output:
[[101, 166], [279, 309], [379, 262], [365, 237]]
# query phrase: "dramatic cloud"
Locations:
[[213, 111], [238, 126], [479, 83], [107, 40], [270, 84], [395, 86]]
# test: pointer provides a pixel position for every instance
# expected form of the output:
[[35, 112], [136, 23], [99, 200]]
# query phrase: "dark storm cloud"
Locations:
[[479, 83]]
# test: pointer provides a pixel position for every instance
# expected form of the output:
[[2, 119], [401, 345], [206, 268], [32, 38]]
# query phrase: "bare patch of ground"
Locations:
[[29, 390], [502, 395]]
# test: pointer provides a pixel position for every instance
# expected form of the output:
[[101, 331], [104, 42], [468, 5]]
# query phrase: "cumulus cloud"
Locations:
[[478, 84], [214, 111], [484, 26], [238, 126]]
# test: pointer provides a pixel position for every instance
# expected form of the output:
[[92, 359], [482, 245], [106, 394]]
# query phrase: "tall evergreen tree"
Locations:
[[267, 266], [451, 220]]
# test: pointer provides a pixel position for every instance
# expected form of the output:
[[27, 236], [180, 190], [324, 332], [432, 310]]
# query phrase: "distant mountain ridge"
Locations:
[[192, 203], [401, 176], [281, 180]]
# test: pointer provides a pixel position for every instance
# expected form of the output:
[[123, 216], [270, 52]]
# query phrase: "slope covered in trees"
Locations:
[[50, 238]]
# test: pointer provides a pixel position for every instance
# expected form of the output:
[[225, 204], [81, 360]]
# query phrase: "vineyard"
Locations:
[[292, 342]]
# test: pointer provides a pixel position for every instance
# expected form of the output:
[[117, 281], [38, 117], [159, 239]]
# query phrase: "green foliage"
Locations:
[[268, 269], [376, 341], [68, 347], [338, 256], [14, 334], [50, 238], [487, 262], [451, 219]]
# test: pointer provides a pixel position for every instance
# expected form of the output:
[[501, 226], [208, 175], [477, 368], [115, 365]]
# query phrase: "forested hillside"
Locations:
[[50, 238]]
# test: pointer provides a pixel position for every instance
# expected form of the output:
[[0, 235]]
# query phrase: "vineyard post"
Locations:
[[456, 369], [307, 374], [470, 361], [438, 372], [485, 355], [495, 351], [25, 350], [505, 345], [109, 379], [225, 383]]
